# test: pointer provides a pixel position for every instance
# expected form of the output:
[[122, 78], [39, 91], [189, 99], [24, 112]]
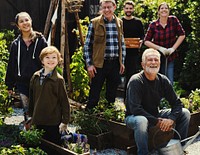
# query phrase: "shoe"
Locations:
[[185, 152]]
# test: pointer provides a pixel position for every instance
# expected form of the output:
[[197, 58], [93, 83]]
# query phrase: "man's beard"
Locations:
[[128, 14], [150, 70]]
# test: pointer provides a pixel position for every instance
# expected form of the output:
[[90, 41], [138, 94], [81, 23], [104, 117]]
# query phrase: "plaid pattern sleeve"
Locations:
[[167, 36], [88, 45], [123, 50]]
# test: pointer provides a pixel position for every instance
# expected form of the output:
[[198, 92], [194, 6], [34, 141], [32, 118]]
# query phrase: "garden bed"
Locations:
[[123, 137], [101, 141], [59, 150]]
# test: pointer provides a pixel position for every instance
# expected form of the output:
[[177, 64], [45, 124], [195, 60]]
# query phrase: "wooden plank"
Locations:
[[60, 149]]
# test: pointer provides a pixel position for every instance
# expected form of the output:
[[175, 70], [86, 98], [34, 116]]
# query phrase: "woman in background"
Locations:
[[165, 35]]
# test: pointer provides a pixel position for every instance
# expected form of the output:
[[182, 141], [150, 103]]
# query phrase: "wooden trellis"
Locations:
[[72, 6]]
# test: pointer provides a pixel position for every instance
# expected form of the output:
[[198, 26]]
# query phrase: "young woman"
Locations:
[[165, 34], [24, 58]]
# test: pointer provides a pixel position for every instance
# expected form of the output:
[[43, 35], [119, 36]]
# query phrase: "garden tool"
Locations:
[[174, 147], [166, 63]]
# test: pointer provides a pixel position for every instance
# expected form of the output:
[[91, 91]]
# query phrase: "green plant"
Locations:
[[89, 123], [193, 101], [9, 135], [19, 150], [31, 137], [114, 111], [5, 40], [79, 77]]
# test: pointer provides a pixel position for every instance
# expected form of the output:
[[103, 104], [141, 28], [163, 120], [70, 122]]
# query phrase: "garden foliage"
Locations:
[[5, 40]]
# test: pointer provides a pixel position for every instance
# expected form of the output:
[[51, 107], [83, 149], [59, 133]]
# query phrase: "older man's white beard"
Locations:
[[152, 70]]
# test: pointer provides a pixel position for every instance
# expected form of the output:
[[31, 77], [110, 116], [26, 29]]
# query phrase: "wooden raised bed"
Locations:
[[59, 150], [101, 141], [194, 123], [123, 137]]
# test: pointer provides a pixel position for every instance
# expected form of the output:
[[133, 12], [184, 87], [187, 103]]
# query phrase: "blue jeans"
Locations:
[[170, 70], [140, 126]]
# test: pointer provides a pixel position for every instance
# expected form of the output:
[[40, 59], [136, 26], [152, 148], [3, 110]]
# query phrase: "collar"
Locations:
[[42, 73], [106, 20], [54, 74]]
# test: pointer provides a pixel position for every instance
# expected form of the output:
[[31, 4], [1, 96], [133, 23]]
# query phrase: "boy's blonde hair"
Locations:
[[50, 50]]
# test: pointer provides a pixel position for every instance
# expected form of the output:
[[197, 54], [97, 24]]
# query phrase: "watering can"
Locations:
[[174, 147]]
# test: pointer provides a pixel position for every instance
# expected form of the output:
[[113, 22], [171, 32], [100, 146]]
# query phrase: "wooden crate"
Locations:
[[132, 42]]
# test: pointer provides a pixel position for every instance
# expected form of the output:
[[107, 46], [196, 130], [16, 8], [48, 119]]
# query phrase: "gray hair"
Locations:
[[149, 51]]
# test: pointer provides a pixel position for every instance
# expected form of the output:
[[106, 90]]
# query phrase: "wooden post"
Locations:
[[48, 19], [62, 33], [67, 59], [53, 33], [79, 28]]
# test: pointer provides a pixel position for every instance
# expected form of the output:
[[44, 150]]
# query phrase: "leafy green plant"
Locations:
[[9, 135], [79, 77], [31, 137], [19, 150], [5, 39], [193, 101], [113, 111], [78, 73], [89, 123]]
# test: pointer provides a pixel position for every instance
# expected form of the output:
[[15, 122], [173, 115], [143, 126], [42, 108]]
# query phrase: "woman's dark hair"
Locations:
[[19, 14]]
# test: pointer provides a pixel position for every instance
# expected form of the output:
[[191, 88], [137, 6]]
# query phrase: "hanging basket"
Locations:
[[74, 5]]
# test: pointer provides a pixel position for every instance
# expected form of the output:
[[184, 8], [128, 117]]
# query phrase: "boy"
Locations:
[[49, 105]]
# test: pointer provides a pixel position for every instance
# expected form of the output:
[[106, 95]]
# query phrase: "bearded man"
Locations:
[[144, 93]]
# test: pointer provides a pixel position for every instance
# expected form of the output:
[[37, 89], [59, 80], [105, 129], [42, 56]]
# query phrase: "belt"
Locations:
[[111, 58]]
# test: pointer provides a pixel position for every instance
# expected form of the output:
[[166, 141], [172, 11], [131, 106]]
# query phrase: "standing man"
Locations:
[[104, 53], [133, 29], [144, 93]]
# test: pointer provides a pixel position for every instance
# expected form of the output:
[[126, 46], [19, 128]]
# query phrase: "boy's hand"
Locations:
[[62, 127]]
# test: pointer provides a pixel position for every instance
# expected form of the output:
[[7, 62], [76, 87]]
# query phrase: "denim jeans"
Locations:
[[139, 124], [169, 72]]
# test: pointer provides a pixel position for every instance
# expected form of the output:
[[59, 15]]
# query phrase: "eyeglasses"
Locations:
[[108, 7]]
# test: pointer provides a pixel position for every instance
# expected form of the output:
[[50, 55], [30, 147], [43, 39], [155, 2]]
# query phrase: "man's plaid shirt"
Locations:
[[111, 42]]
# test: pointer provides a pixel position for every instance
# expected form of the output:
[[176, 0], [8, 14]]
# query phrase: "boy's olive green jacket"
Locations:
[[49, 103]]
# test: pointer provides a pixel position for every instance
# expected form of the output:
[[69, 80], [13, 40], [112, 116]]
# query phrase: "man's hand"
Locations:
[[91, 71], [122, 69], [165, 124], [62, 127]]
